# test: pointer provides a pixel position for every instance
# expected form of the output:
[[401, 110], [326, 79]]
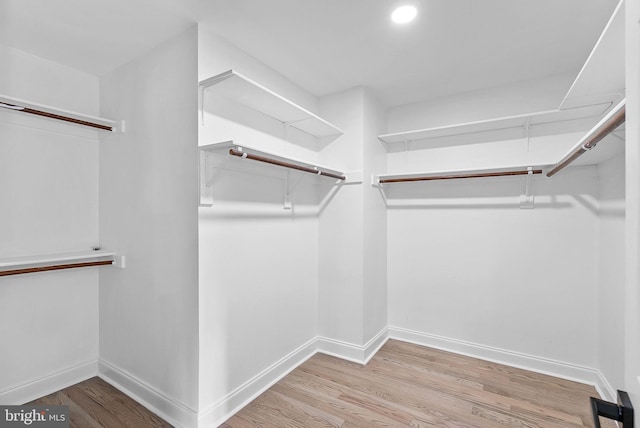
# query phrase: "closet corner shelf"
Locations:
[[602, 75], [23, 106], [497, 124], [252, 94], [58, 261], [609, 123], [381, 179], [242, 151]]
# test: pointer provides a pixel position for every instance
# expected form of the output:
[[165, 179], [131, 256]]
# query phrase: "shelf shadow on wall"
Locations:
[[260, 192], [606, 209], [494, 135], [254, 120]]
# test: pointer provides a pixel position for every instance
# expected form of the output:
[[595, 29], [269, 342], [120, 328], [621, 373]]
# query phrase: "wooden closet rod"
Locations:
[[259, 158], [606, 126], [55, 267], [456, 176], [54, 116]]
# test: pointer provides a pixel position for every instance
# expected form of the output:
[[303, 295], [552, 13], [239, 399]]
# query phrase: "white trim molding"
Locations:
[[174, 412], [360, 354], [223, 409], [547, 366], [215, 414], [18, 395], [604, 388]]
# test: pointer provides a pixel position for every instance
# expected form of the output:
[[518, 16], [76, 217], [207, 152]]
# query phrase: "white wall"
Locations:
[[36, 79], [216, 55], [632, 199], [467, 267], [148, 212], [374, 222], [518, 98], [340, 305], [49, 185], [611, 259], [52, 166], [258, 262], [353, 264]]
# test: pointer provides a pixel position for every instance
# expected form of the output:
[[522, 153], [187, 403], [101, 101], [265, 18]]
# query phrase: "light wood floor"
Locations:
[[96, 404], [409, 385], [403, 385]]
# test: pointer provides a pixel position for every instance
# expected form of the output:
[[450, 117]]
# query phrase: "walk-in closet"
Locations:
[[321, 213]]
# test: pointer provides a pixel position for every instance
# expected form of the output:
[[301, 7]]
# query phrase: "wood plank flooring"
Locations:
[[404, 385], [409, 385], [96, 404]]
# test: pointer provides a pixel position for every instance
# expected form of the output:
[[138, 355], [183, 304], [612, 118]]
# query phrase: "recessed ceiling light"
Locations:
[[404, 14]]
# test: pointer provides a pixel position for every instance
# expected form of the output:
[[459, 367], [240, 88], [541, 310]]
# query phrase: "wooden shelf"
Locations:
[[602, 76], [42, 110], [501, 123], [46, 262], [237, 87]]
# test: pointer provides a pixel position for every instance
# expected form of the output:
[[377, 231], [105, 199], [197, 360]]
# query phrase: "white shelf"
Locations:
[[16, 263], [64, 115], [602, 76], [235, 86], [501, 123]]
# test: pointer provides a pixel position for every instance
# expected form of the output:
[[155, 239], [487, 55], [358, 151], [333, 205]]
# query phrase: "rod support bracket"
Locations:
[[119, 261], [527, 199]]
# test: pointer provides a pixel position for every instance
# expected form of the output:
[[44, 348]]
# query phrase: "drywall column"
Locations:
[[340, 287], [258, 262], [352, 287], [49, 193], [632, 225], [375, 226], [148, 212]]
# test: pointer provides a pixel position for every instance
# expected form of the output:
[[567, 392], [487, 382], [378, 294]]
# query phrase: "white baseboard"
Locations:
[[49, 384], [180, 415], [217, 413], [604, 388], [374, 345], [174, 412], [223, 409], [360, 354], [560, 369]]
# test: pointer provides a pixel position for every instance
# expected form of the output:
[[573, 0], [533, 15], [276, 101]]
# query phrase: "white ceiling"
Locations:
[[94, 36], [326, 46]]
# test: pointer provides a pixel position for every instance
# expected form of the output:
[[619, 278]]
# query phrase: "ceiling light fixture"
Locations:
[[404, 14]]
